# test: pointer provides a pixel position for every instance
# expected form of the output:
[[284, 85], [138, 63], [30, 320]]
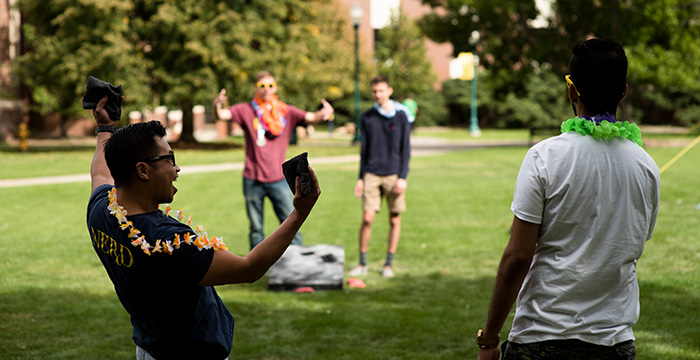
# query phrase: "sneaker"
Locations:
[[388, 271], [358, 270]]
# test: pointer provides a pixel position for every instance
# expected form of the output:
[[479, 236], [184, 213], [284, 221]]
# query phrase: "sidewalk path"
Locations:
[[420, 146]]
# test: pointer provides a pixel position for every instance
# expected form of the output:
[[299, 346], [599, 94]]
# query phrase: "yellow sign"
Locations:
[[467, 60]]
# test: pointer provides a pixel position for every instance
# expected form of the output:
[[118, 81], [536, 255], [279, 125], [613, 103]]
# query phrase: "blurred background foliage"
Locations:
[[179, 53], [525, 63]]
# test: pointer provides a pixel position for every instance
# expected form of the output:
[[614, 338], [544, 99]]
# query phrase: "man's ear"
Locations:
[[624, 93], [142, 171], [573, 96]]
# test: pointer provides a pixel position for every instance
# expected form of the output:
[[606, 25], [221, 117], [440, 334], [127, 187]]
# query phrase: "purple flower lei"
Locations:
[[601, 117]]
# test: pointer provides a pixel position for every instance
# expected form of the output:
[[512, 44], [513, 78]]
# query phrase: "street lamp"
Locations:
[[356, 19], [474, 120]]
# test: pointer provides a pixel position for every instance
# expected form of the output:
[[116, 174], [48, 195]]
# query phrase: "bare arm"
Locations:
[[99, 172], [324, 114], [228, 268], [221, 112], [515, 264]]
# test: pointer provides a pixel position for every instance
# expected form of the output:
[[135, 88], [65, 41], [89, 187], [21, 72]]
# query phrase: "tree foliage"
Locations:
[[179, 53], [400, 53], [67, 43], [661, 38], [662, 42]]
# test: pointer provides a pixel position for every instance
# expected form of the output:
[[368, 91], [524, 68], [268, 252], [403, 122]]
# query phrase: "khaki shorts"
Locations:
[[375, 187]]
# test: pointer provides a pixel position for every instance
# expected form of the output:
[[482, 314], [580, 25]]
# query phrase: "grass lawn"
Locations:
[[56, 301]]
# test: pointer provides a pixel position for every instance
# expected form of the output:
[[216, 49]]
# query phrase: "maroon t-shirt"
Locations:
[[264, 163]]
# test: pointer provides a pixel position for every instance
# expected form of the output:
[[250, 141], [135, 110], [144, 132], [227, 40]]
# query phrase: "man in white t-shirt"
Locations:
[[585, 202]]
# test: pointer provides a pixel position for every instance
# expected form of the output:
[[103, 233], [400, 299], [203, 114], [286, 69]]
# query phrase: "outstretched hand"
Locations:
[[221, 98], [327, 110], [304, 203]]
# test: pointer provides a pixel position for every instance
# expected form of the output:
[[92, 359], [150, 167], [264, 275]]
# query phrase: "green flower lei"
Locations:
[[605, 129]]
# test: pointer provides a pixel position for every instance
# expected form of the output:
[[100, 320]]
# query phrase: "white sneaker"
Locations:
[[358, 270], [388, 271]]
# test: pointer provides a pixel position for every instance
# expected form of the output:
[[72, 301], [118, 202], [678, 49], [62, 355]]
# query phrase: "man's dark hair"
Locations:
[[129, 145], [380, 79], [599, 70]]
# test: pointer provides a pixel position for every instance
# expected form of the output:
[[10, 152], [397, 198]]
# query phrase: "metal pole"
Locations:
[[357, 137], [474, 120]]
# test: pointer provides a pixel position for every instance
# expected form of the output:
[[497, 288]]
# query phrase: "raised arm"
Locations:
[[228, 268], [221, 112], [324, 114], [99, 172]]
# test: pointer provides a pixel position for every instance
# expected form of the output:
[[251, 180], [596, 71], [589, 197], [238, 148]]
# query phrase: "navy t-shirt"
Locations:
[[173, 317]]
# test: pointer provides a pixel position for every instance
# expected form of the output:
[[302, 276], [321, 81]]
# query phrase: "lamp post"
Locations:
[[474, 120], [356, 19]]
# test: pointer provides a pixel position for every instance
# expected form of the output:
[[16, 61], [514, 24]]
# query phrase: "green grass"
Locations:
[[56, 301], [463, 134]]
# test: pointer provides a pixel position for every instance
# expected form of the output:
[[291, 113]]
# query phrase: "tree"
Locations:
[[180, 53], [201, 46], [661, 38], [66, 43], [401, 56], [507, 43]]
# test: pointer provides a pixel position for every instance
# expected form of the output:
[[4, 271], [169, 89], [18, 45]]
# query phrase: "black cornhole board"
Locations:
[[316, 266]]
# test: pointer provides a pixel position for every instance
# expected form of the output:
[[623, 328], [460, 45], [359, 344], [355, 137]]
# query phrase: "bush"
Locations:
[[543, 104]]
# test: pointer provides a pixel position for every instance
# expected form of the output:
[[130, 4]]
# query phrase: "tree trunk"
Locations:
[[187, 135]]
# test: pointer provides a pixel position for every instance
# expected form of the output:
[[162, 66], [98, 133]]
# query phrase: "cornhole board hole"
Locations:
[[316, 266]]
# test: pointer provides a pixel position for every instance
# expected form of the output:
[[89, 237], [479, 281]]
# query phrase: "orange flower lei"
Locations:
[[201, 240], [272, 119]]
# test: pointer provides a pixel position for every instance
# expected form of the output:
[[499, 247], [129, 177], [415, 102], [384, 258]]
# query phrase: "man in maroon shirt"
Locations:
[[268, 124]]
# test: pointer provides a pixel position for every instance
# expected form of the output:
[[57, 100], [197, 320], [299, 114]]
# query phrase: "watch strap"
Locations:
[[105, 128], [487, 342]]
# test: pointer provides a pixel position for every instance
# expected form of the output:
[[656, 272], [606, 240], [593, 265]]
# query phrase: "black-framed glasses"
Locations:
[[170, 157]]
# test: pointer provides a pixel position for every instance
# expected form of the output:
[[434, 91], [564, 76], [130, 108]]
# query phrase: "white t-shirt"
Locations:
[[597, 202]]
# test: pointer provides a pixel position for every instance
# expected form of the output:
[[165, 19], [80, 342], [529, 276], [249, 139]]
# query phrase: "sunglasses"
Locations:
[[264, 85], [170, 157], [568, 81]]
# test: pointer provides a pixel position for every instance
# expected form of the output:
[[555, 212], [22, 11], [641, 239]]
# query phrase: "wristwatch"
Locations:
[[487, 342], [105, 128]]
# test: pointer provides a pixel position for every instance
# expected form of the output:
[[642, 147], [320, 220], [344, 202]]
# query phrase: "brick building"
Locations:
[[376, 15]]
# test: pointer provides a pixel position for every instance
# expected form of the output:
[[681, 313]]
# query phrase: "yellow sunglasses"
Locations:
[[568, 81], [264, 85]]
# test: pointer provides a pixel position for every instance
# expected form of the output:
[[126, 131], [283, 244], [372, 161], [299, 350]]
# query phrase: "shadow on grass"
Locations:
[[408, 317], [63, 324], [432, 316], [669, 320]]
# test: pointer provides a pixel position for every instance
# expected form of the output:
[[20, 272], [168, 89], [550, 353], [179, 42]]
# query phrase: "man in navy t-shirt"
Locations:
[[162, 265]]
